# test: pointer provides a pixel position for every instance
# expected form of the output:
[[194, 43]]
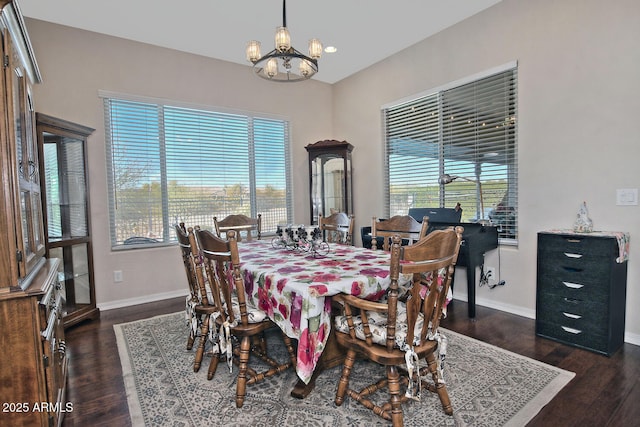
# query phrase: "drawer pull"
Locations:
[[569, 255], [574, 240], [572, 300], [572, 330], [47, 334], [48, 299], [571, 315], [572, 285]]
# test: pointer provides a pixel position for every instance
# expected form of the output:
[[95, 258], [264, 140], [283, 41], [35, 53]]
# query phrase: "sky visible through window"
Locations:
[[137, 134], [170, 164]]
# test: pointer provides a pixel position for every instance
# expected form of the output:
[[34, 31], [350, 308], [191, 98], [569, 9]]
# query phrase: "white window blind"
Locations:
[[468, 132], [52, 185], [169, 164]]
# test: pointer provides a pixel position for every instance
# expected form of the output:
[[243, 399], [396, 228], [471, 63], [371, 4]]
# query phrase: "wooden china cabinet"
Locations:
[[330, 185], [62, 147], [34, 363]]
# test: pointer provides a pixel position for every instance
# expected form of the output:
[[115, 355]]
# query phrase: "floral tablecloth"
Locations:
[[293, 286]]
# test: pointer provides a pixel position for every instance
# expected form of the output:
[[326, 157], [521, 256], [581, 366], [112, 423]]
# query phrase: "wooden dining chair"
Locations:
[[193, 297], [237, 318], [403, 225], [198, 304], [337, 228], [240, 224], [403, 337]]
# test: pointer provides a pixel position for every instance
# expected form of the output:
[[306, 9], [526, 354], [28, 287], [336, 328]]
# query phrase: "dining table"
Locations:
[[294, 287]]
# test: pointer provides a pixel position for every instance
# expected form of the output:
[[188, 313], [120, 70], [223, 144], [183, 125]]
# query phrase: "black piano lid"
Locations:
[[436, 215]]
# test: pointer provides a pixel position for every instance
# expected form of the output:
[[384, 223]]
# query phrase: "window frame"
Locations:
[[258, 141], [416, 127]]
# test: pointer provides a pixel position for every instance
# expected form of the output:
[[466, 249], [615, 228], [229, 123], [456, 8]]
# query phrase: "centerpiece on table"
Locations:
[[296, 237]]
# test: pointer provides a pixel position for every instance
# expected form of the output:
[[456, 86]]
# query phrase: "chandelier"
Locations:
[[284, 63]]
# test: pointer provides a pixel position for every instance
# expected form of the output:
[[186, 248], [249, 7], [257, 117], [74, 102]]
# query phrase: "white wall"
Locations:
[[76, 64], [579, 96]]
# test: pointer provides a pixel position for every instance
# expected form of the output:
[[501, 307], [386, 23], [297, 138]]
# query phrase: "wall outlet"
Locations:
[[490, 274], [490, 278], [117, 276]]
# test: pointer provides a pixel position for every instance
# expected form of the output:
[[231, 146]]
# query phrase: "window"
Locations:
[[466, 132], [169, 164]]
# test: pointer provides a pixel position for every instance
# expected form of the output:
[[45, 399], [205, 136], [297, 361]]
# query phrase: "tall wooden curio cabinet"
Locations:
[[65, 195], [330, 185], [34, 361]]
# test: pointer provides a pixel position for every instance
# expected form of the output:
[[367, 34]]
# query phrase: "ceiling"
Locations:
[[363, 31]]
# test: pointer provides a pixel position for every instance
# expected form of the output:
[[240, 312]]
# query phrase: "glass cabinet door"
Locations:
[[74, 273], [330, 186], [32, 245], [67, 221]]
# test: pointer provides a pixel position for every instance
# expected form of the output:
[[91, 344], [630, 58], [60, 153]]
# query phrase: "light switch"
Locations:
[[117, 276], [627, 197]]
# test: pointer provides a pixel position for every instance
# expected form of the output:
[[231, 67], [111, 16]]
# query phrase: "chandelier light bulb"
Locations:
[[282, 39], [271, 69], [253, 51], [305, 68], [315, 48]]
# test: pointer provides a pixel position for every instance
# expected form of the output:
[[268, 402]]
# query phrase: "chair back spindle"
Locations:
[[187, 260], [337, 228], [404, 226], [240, 224]]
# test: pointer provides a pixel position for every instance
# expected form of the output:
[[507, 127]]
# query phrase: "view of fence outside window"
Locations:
[[169, 164]]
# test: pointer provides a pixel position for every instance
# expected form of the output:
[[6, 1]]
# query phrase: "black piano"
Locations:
[[477, 239]]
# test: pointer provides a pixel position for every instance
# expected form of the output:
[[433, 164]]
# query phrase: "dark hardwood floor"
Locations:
[[604, 392]]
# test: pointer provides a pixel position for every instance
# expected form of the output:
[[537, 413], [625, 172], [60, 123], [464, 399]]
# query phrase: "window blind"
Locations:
[[467, 132], [53, 191], [169, 164]]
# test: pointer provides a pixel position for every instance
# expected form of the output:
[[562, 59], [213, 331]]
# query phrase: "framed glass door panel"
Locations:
[[66, 199], [66, 187], [74, 273], [330, 186]]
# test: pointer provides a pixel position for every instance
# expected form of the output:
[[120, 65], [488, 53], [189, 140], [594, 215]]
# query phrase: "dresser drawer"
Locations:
[[577, 285], [584, 315], [584, 246], [573, 336], [573, 262]]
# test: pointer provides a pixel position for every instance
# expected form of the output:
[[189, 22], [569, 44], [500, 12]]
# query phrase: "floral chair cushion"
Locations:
[[378, 326], [378, 321], [221, 337], [190, 309], [254, 314]]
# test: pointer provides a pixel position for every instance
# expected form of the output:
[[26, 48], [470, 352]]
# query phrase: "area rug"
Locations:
[[488, 386]]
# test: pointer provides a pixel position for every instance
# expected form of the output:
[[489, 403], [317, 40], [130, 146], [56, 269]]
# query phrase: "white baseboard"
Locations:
[[141, 300], [632, 338], [513, 309]]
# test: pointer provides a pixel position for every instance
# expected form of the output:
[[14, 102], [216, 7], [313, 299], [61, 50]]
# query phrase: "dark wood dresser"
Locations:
[[581, 289]]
